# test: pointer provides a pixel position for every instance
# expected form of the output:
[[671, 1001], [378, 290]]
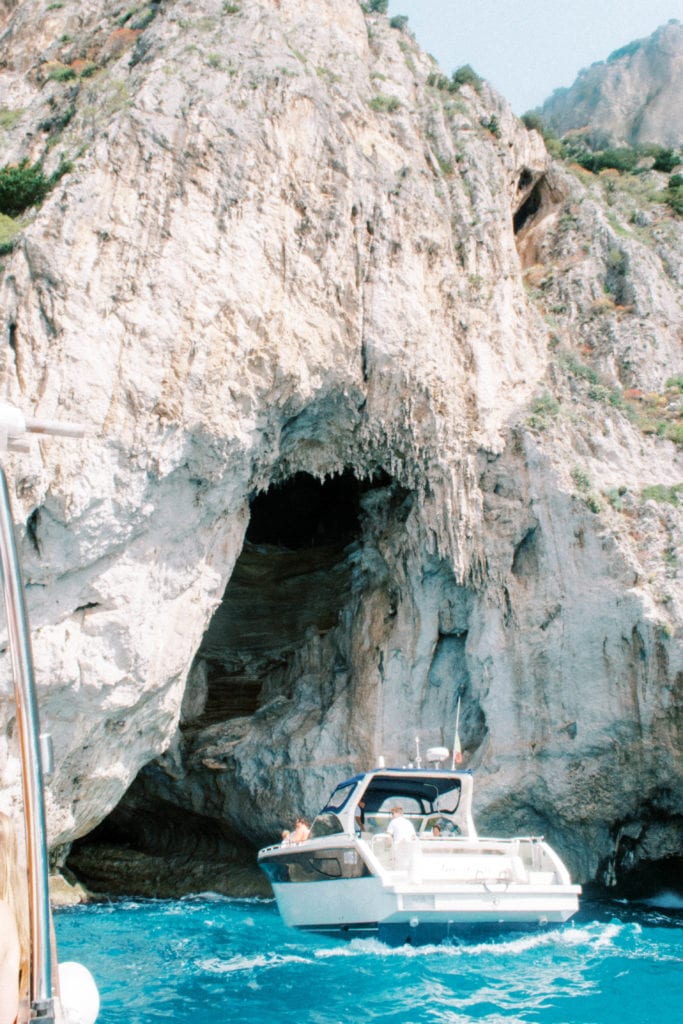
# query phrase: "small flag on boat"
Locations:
[[457, 748]]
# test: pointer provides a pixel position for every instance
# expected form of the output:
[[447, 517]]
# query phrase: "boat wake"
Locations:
[[666, 900], [249, 963]]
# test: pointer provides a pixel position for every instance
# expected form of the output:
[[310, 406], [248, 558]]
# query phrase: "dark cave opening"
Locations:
[[653, 878], [529, 207], [525, 558], [292, 576], [306, 512], [289, 587], [525, 179]]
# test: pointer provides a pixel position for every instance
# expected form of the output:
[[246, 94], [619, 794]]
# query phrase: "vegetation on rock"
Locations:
[[24, 185], [464, 75]]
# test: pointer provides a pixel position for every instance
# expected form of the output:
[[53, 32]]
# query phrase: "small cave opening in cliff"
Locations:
[[535, 217], [529, 207]]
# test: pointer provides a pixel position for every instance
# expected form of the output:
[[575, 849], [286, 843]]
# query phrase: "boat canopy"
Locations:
[[423, 794], [419, 792]]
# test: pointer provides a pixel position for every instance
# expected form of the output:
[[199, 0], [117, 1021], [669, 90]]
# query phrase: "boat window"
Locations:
[[339, 797], [319, 866], [447, 827], [326, 824], [409, 805], [416, 794], [447, 803]]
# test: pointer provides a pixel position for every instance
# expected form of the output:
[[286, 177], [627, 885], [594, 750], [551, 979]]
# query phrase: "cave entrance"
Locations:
[[292, 577], [538, 202], [531, 205], [279, 632]]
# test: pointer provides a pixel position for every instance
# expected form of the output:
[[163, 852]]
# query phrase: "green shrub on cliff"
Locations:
[[24, 185], [662, 493], [21, 185], [666, 160], [384, 104], [674, 194], [466, 75], [62, 73], [618, 159], [544, 409]]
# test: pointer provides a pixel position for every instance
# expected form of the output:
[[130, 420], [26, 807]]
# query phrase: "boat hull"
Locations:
[[366, 906]]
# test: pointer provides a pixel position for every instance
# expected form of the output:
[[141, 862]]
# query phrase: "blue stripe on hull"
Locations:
[[401, 933]]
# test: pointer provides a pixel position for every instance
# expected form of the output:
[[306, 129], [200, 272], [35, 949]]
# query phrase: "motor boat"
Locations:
[[437, 879]]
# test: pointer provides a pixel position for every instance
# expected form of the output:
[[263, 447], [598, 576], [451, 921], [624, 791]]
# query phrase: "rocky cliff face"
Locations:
[[384, 411], [635, 96]]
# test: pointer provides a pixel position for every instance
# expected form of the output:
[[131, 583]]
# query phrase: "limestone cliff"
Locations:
[[633, 97], [384, 409]]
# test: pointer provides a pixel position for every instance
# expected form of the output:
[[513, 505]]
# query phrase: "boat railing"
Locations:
[[35, 747], [459, 859]]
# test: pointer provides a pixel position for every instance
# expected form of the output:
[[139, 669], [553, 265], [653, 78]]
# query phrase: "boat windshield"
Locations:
[[417, 794], [326, 824], [340, 797]]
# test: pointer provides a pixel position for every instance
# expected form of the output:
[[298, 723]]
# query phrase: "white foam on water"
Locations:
[[519, 944], [666, 899], [609, 933], [362, 947], [249, 963], [596, 935]]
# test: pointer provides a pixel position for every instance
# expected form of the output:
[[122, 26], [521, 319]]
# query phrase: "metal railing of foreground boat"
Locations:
[[34, 748]]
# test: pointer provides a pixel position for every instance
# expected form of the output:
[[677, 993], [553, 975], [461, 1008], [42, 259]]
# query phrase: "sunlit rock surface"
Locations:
[[354, 358]]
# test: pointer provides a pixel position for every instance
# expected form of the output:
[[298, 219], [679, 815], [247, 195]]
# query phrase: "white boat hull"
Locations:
[[366, 903]]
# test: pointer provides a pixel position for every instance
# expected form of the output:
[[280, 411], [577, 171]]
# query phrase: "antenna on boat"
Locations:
[[418, 759], [34, 747]]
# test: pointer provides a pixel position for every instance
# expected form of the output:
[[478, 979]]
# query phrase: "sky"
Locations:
[[527, 48]]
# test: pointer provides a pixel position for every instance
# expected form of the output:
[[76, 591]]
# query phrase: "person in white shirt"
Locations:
[[399, 827]]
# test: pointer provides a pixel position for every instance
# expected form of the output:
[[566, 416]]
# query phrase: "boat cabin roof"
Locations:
[[425, 789]]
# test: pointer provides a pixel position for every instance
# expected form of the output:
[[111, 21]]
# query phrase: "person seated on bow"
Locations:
[[301, 831]]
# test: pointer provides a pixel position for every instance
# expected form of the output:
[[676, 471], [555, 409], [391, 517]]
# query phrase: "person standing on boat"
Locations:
[[14, 933], [399, 827]]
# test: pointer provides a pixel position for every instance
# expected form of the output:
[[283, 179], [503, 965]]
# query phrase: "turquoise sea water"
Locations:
[[216, 959]]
